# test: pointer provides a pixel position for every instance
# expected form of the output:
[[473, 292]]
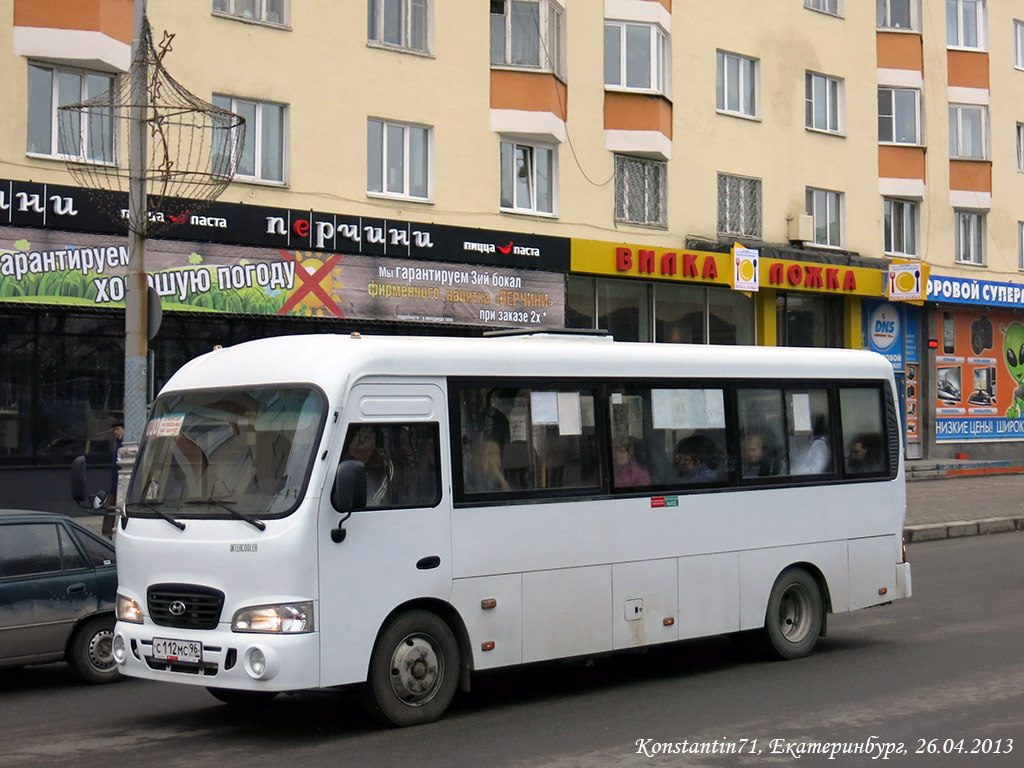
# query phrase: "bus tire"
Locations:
[[794, 616], [237, 698], [414, 670], [90, 653]]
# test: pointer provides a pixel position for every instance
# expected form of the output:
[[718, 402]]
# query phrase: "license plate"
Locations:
[[177, 650]]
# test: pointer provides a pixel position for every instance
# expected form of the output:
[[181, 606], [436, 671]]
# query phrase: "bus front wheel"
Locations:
[[413, 671], [793, 620]]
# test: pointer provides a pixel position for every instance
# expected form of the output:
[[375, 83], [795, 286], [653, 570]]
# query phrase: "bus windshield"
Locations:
[[218, 453]]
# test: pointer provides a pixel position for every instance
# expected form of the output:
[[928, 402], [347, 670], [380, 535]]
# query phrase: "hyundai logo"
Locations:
[[177, 608]]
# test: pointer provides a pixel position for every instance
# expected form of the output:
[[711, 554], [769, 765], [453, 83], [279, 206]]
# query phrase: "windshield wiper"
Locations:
[[258, 524], [160, 513]]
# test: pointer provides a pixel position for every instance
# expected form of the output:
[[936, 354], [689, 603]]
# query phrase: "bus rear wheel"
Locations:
[[413, 670], [793, 619]]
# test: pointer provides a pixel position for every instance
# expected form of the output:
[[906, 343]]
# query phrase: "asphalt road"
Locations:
[[944, 666]]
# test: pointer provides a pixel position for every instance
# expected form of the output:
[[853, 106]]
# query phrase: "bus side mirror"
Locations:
[[348, 494]]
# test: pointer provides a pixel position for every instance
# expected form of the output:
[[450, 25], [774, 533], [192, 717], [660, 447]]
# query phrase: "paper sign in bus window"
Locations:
[[570, 421], [687, 409], [800, 405]]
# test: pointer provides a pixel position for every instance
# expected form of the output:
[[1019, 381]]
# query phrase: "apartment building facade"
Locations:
[[726, 173]]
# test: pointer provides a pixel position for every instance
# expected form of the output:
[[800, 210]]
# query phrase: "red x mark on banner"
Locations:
[[311, 284]]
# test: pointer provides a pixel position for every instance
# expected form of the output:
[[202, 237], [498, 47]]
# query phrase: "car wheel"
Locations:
[[91, 651], [414, 670], [239, 698], [793, 619]]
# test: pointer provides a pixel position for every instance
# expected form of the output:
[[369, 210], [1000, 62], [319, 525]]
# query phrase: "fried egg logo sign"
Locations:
[[884, 327], [744, 269], [904, 282]]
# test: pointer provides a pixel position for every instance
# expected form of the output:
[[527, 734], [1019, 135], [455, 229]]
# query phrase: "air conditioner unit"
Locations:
[[801, 227]]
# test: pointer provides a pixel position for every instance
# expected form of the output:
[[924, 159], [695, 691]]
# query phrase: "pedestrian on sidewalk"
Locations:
[[110, 502]]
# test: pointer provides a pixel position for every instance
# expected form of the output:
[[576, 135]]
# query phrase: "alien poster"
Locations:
[[979, 375]]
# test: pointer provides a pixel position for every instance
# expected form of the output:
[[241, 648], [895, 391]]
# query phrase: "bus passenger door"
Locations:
[[397, 549]]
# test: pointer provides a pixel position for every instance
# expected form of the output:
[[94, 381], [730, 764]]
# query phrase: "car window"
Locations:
[[28, 548], [97, 551], [70, 558]]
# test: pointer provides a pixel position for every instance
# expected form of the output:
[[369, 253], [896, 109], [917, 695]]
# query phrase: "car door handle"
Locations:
[[426, 563], [76, 589]]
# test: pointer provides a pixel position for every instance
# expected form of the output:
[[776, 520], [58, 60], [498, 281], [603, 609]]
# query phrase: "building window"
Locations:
[[263, 154], [825, 6], [823, 95], [1018, 44], [1020, 245], [267, 11], [397, 159], [970, 237], [1020, 147], [640, 188], [528, 33], [901, 227], [737, 84], [635, 56], [965, 24], [898, 115], [897, 14], [401, 23], [527, 178], [967, 129], [739, 205], [826, 208], [85, 136]]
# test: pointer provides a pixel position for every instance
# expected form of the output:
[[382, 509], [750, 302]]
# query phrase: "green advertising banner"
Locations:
[[52, 267]]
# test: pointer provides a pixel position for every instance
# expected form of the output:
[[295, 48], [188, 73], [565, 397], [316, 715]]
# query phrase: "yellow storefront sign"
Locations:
[[628, 260]]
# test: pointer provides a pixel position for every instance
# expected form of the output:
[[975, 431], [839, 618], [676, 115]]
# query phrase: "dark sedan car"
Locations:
[[58, 582]]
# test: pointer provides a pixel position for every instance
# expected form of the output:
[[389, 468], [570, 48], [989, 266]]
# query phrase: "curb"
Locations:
[[952, 530]]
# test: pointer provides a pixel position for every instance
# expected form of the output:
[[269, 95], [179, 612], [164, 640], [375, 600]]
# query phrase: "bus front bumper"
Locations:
[[218, 658]]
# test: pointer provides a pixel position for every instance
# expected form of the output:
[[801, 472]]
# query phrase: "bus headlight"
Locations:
[[284, 618], [128, 610]]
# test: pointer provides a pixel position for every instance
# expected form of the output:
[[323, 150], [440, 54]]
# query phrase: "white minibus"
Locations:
[[324, 510]]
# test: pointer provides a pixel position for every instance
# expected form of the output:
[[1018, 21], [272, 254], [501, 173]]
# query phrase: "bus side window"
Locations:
[[863, 431], [668, 436], [401, 463]]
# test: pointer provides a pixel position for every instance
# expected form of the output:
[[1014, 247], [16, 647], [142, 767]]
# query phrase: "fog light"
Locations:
[[260, 662], [119, 650]]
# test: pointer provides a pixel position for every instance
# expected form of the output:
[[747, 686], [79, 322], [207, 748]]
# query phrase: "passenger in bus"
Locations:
[[696, 459], [380, 471], [817, 458], [485, 473], [757, 459], [865, 454], [627, 471]]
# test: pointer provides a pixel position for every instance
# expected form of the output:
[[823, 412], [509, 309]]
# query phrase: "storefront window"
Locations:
[[679, 314], [580, 302], [623, 309], [808, 321], [730, 317]]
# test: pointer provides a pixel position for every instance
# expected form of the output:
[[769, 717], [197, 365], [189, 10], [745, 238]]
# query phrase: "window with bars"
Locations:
[[739, 205], [640, 191]]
